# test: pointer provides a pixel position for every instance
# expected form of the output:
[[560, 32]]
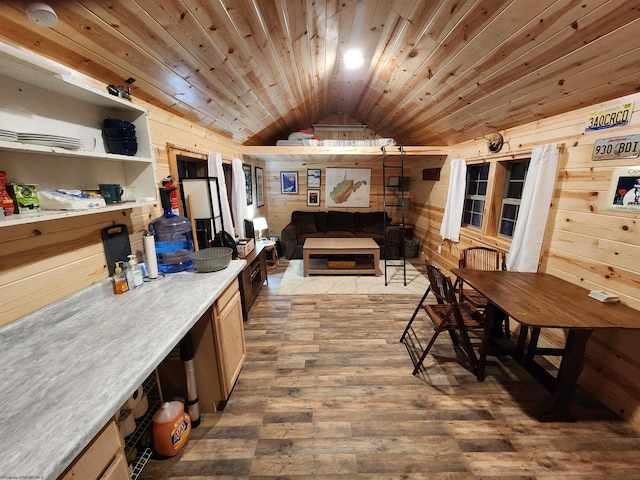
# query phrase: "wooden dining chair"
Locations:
[[448, 314], [487, 259]]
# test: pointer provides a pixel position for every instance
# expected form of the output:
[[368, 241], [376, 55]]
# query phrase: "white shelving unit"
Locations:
[[39, 96]]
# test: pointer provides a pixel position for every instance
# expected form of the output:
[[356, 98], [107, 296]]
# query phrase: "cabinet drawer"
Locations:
[[226, 296], [118, 470], [97, 456]]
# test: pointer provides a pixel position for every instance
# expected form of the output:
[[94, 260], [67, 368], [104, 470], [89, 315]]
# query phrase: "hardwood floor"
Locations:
[[327, 393]]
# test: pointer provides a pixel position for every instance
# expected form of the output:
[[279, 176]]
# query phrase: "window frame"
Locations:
[[506, 200], [488, 233], [475, 197]]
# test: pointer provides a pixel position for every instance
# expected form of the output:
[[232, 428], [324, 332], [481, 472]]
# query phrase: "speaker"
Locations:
[[249, 231]]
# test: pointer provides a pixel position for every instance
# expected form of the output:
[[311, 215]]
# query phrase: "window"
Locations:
[[475, 197], [512, 194]]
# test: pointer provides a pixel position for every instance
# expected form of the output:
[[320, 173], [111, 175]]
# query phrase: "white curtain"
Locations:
[[537, 193], [215, 170], [452, 218], [239, 196]]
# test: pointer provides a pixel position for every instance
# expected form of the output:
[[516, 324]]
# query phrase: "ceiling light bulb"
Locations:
[[353, 59], [41, 14]]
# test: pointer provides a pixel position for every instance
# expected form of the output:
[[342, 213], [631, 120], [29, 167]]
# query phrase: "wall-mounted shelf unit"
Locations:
[[41, 97]]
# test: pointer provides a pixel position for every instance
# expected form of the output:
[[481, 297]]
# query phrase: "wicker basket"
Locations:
[[211, 259], [411, 248]]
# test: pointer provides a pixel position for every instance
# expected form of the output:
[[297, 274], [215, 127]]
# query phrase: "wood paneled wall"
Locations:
[[584, 243]]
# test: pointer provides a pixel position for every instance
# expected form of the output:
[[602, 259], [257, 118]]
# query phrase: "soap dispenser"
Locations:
[[135, 278], [120, 284]]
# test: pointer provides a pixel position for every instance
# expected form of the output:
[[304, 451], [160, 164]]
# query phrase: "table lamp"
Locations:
[[260, 224]]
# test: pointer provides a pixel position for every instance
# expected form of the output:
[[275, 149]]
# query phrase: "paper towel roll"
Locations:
[[141, 408], [134, 399], [126, 423], [149, 244]]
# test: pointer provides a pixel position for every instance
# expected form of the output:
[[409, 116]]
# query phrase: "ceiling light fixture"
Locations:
[[41, 14], [353, 59]]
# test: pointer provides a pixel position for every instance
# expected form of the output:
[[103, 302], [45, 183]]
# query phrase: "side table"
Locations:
[[270, 245]]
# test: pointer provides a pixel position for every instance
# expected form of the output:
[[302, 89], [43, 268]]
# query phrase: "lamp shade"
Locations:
[[260, 223]]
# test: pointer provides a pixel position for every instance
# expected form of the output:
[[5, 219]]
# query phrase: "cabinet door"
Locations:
[[230, 344], [97, 456]]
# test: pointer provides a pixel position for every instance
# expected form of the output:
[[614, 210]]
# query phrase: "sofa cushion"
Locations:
[[302, 237], [305, 223], [339, 221], [321, 221], [370, 222]]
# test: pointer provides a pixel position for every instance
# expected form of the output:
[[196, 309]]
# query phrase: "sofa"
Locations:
[[334, 224]]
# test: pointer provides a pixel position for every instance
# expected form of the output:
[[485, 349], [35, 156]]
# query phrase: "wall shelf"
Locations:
[[42, 97]]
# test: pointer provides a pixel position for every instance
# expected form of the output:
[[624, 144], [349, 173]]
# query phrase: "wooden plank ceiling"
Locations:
[[435, 72]]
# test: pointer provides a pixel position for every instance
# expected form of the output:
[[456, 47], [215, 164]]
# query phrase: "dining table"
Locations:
[[538, 301]]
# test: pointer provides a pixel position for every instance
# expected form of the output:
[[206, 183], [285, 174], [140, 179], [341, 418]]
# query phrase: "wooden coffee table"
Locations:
[[365, 250]]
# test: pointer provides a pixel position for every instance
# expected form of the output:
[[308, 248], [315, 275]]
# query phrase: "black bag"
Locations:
[[223, 239]]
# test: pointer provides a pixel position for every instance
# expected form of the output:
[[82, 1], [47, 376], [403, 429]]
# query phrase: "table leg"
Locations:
[[305, 262], [568, 374], [376, 262]]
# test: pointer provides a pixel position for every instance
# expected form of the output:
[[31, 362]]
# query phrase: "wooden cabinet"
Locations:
[[40, 97], [219, 349], [252, 278], [103, 459]]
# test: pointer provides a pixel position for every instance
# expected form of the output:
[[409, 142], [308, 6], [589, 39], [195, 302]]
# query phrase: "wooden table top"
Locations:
[[340, 244], [542, 300]]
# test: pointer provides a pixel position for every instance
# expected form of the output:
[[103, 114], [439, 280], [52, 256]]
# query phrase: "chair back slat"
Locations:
[[482, 258]]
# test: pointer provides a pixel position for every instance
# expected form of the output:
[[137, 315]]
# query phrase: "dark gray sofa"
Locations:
[[338, 224]]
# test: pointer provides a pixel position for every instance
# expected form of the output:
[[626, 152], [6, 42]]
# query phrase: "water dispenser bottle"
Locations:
[[173, 238]]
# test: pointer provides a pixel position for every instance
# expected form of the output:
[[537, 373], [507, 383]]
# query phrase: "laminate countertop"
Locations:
[[67, 368]]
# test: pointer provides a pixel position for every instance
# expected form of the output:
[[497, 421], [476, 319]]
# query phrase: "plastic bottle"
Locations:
[[173, 238], [135, 278], [6, 201], [120, 284], [171, 428]]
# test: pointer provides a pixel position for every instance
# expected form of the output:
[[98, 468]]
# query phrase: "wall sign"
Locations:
[[624, 189], [616, 116], [613, 148]]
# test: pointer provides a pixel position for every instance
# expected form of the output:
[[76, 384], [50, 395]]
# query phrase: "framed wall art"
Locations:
[[624, 189], [347, 187], [289, 182], [313, 198], [313, 178], [248, 182], [259, 187]]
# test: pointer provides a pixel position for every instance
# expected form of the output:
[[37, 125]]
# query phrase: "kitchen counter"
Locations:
[[67, 368]]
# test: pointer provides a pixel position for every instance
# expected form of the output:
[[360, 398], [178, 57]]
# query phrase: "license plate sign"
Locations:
[[616, 147]]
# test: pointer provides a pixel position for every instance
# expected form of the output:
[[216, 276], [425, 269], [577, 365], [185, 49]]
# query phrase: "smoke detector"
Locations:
[[41, 14]]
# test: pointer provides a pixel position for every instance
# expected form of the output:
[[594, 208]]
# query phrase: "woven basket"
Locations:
[[211, 259], [411, 248]]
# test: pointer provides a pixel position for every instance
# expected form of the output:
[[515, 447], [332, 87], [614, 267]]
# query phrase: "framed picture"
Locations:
[[313, 198], [313, 178], [289, 182], [248, 183], [347, 187], [259, 187], [624, 189]]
